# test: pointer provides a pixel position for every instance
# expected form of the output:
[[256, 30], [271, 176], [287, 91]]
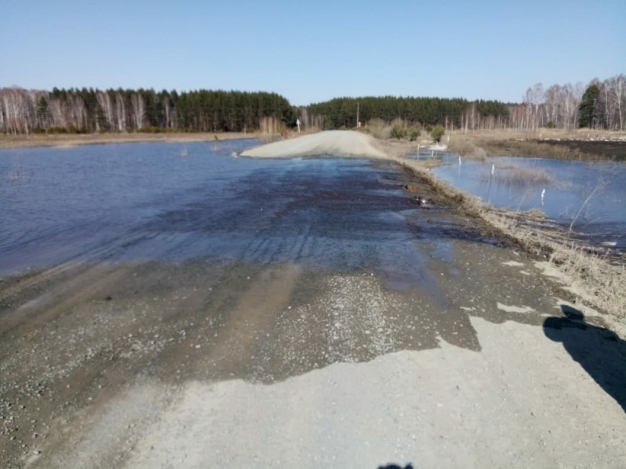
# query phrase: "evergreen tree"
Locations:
[[341, 112], [43, 113], [587, 110]]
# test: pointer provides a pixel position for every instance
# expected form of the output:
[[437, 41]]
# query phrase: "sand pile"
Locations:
[[334, 142]]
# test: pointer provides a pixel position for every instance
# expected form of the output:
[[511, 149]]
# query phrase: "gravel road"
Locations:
[[445, 347], [332, 142]]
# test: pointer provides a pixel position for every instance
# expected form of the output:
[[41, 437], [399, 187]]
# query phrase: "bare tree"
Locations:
[[571, 100], [15, 109], [104, 101], [614, 94], [532, 101], [138, 109], [120, 111], [553, 104]]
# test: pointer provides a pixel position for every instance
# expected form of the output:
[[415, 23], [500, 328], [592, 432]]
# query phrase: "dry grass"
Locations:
[[596, 280], [480, 146], [396, 148], [545, 143], [602, 283], [378, 128], [467, 147], [532, 148], [514, 175]]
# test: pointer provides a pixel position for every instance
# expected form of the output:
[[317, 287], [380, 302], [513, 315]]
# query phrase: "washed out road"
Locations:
[[311, 315]]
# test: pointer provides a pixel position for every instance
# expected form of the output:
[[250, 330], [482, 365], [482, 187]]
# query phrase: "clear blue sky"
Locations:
[[313, 50]]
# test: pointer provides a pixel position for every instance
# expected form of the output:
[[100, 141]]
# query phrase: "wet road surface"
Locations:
[[296, 312]]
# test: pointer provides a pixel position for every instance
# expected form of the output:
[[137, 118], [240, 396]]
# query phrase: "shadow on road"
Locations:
[[396, 466], [599, 351]]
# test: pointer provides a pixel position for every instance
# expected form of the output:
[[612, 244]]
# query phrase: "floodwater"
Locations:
[[175, 201], [589, 196], [321, 275]]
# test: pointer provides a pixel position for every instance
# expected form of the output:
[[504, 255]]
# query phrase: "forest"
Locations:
[[90, 110], [451, 113], [599, 105]]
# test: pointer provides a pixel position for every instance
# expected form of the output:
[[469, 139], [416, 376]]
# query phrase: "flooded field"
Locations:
[[588, 197]]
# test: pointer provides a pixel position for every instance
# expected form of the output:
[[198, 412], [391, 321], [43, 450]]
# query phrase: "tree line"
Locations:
[[92, 110], [599, 105], [449, 112]]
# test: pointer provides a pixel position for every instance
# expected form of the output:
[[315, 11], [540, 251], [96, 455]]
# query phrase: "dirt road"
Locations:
[[443, 346]]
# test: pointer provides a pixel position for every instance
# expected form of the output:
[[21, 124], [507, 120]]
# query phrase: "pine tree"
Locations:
[[587, 109], [43, 113]]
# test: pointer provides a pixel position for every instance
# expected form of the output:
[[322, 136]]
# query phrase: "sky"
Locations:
[[315, 50]]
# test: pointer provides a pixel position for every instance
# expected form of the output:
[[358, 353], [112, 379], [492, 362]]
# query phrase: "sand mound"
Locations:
[[334, 142]]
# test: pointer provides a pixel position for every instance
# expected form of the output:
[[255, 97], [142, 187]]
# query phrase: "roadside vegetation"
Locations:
[[591, 275]]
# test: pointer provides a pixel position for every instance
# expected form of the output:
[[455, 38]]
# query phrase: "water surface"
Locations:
[[174, 201], [589, 196]]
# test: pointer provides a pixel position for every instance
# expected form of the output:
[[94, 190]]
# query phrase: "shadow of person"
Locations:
[[395, 466], [599, 351]]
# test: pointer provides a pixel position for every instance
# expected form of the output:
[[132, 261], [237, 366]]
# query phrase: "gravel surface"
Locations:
[[446, 347], [333, 142]]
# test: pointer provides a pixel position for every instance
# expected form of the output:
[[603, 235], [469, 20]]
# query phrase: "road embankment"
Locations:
[[334, 142]]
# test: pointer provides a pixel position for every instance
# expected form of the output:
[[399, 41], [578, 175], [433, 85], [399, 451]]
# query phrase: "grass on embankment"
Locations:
[[598, 282]]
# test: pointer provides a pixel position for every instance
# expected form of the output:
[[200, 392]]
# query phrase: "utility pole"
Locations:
[[358, 108]]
